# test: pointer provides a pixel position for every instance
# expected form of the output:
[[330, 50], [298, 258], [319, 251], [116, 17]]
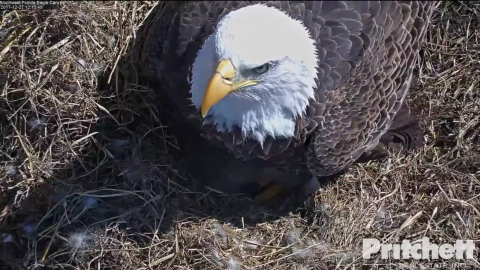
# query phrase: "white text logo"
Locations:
[[419, 251]]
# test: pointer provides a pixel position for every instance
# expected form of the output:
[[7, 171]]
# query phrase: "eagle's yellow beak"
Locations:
[[221, 84]]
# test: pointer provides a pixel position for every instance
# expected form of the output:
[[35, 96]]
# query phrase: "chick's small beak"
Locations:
[[219, 86]]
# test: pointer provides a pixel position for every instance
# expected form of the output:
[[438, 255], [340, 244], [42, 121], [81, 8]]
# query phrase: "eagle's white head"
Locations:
[[256, 71]]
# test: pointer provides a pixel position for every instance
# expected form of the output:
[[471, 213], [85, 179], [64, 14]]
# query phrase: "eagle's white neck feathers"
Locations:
[[251, 37]]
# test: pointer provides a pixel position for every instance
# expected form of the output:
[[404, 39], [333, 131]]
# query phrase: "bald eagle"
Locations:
[[300, 86]]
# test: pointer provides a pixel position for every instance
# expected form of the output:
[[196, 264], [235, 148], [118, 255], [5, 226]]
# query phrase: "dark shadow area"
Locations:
[[187, 168]]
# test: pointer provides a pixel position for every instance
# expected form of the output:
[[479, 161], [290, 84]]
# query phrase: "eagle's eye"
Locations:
[[262, 69]]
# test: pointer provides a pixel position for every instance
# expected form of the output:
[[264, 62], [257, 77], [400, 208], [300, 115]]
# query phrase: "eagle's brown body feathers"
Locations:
[[367, 51]]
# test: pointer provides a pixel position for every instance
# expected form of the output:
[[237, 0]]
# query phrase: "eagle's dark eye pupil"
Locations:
[[262, 69]]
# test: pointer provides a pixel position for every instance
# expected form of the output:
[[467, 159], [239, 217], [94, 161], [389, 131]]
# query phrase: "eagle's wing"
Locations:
[[370, 49]]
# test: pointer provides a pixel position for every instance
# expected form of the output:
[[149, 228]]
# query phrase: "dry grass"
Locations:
[[86, 180]]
